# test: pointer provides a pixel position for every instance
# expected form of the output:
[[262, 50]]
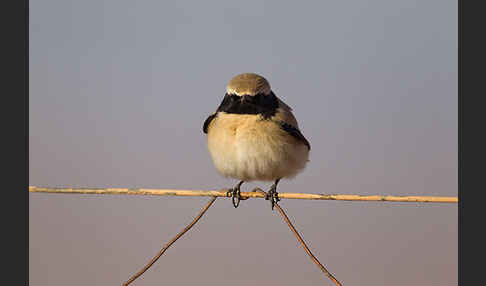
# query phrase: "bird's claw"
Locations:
[[235, 195], [272, 195]]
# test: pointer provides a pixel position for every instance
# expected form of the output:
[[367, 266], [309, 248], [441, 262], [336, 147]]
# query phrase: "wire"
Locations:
[[244, 195], [156, 257], [299, 238]]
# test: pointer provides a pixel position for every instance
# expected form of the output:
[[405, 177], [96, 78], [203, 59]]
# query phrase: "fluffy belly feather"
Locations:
[[248, 148]]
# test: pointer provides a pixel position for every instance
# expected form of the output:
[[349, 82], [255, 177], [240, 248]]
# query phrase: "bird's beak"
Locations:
[[245, 98]]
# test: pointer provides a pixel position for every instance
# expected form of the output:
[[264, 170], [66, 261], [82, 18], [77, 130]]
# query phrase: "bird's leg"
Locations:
[[235, 194], [272, 194]]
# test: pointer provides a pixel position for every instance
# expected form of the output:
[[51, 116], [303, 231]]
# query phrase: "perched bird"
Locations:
[[253, 136]]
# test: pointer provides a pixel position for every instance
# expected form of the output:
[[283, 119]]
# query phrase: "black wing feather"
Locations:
[[294, 132], [207, 122]]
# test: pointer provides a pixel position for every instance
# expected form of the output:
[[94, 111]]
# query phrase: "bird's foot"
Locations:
[[272, 195], [235, 194]]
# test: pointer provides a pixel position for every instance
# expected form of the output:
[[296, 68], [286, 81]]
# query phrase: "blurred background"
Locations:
[[119, 91]]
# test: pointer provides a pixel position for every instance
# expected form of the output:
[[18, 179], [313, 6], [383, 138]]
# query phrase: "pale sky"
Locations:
[[119, 91]]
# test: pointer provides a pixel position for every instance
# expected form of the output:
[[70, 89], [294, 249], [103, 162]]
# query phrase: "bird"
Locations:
[[254, 136]]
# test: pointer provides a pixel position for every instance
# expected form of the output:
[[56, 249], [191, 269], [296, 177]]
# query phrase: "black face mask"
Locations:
[[266, 105]]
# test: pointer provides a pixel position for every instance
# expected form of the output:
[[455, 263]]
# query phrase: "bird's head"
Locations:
[[248, 85], [249, 93]]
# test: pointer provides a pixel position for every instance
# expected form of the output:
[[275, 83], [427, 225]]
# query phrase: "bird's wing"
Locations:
[[295, 132], [207, 122], [284, 105], [287, 122]]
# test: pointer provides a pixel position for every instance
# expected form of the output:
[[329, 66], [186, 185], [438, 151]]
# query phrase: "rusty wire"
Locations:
[[156, 257], [299, 238], [196, 219]]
